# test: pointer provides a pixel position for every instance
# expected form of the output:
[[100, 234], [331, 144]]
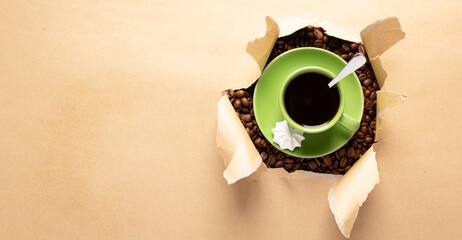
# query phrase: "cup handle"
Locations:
[[349, 123]]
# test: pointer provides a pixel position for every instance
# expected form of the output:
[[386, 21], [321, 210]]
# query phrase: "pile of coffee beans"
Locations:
[[340, 161]]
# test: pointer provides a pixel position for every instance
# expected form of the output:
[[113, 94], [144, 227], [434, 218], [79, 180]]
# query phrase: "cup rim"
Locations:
[[315, 129]]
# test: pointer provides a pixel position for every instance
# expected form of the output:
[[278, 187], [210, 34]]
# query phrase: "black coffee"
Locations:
[[309, 100]]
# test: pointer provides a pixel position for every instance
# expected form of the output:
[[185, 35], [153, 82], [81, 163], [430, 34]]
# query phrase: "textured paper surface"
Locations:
[[349, 194], [108, 124]]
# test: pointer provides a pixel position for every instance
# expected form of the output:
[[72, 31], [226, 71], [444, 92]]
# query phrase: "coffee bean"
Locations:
[[372, 124], [373, 96], [346, 47], [325, 39], [361, 49], [247, 118], [245, 110], [367, 93], [249, 132], [342, 152], [237, 104], [354, 46], [318, 162], [318, 34], [271, 159], [370, 131], [249, 125], [280, 155], [245, 102], [288, 166], [310, 35], [310, 28], [263, 155], [369, 104], [327, 160], [363, 130], [362, 77], [335, 164], [367, 82], [312, 165], [258, 142], [369, 139], [279, 164], [351, 152], [344, 56], [318, 43], [288, 160], [360, 134], [239, 93], [347, 168], [343, 162], [296, 167], [368, 118]]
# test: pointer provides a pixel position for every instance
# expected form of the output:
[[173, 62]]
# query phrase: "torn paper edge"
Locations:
[[232, 140], [351, 191], [345, 223]]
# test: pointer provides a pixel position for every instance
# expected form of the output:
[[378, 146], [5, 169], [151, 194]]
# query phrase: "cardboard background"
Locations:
[[108, 124]]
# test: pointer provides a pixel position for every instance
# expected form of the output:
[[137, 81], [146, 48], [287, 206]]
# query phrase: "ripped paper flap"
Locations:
[[243, 160]]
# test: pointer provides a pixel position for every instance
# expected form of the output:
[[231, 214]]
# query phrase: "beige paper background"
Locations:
[[102, 101]]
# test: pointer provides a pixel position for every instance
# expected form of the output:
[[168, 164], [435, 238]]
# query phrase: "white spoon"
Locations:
[[356, 62]]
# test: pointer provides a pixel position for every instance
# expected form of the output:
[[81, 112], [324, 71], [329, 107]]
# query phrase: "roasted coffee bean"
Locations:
[[354, 46], [369, 139], [245, 102], [239, 93], [367, 93], [310, 28], [368, 118], [258, 142], [360, 134], [280, 155], [367, 82], [344, 56], [318, 34], [245, 110], [363, 124], [279, 164], [342, 152], [371, 105], [263, 155], [362, 77], [351, 152], [346, 47], [335, 164], [318, 43], [363, 129], [372, 125], [310, 35], [271, 159], [312, 165], [237, 104], [247, 118], [343, 162], [370, 131], [373, 95], [296, 167], [249, 125], [288, 160], [325, 39], [327, 160], [249, 132], [318, 162], [288, 166]]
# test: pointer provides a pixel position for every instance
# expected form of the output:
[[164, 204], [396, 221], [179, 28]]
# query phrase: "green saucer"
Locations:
[[267, 91]]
